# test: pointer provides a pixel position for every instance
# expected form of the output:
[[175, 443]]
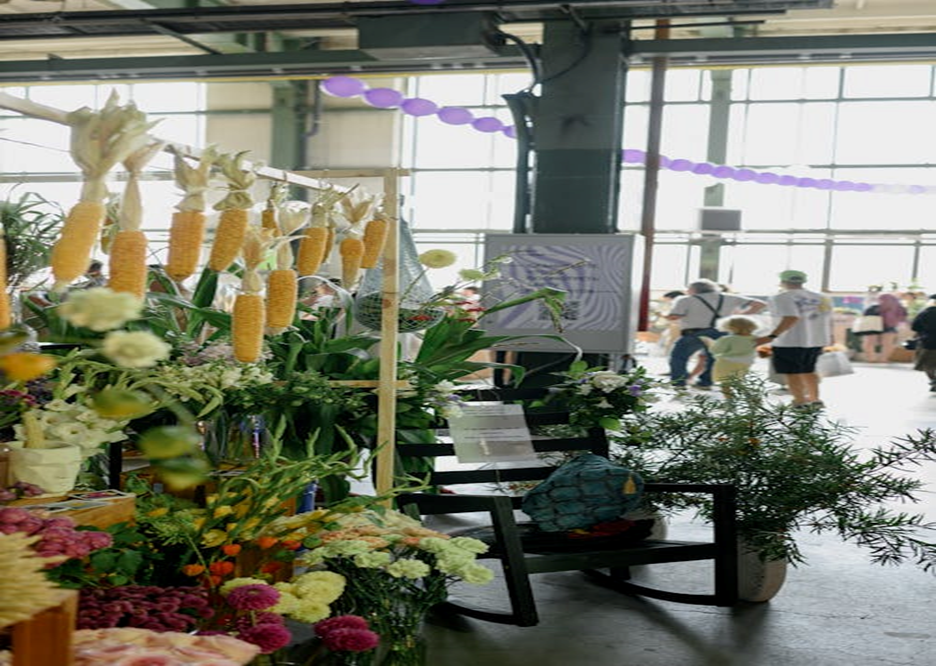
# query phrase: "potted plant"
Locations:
[[793, 471]]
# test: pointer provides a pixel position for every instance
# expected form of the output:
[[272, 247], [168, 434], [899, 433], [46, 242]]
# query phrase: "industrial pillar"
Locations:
[[578, 127], [717, 153], [289, 115]]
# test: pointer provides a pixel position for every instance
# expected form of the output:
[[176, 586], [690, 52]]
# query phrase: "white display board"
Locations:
[[600, 273]]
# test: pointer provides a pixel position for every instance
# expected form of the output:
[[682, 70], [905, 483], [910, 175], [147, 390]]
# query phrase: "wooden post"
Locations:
[[46, 638], [387, 389]]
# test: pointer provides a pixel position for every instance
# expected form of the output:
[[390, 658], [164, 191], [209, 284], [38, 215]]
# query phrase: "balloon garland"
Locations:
[[388, 98]]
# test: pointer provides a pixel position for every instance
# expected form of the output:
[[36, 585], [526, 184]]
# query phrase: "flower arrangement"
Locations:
[[395, 571], [56, 537], [19, 490], [596, 396], [144, 606]]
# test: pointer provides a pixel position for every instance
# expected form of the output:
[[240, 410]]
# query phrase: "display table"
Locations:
[[118, 510]]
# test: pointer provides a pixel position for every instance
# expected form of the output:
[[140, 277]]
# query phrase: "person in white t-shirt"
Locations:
[[697, 315], [802, 327]]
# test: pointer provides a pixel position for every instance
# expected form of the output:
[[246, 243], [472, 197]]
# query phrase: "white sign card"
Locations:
[[491, 432]]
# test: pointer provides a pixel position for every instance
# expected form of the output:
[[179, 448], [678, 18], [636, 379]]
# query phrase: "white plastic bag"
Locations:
[[833, 364]]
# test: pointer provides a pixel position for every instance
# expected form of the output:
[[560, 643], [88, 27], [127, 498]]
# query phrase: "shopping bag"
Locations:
[[868, 324], [833, 364]]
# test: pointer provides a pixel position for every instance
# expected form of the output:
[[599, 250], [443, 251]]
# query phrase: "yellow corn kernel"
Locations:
[[268, 219], [247, 323], [311, 250], [128, 263], [72, 251], [282, 287], [352, 250], [375, 235], [229, 237], [186, 236]]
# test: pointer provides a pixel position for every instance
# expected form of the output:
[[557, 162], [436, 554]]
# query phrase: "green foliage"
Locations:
[[30, 229], [793, 470], [132, 558]]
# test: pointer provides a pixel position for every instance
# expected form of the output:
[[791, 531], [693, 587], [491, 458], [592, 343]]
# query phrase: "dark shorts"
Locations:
[[795, 360]]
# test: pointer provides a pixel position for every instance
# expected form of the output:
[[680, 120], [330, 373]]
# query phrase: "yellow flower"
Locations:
[[251, 523], [223, 510], [198, 523], [157, 513], [213, 538], [437, 258]]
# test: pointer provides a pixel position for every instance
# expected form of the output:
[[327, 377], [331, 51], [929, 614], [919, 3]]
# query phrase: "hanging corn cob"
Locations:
[[128, 249], [375, 236], [356, 207], [6, 317], [282, 283], [274, 201], [99, 140], [187, 233], [248, 317], [232, 227], [315, 245]]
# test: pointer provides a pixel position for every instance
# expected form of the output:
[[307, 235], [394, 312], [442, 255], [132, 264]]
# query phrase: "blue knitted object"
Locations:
[[587, 490]]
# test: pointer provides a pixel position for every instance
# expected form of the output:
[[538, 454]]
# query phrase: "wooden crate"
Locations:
[[45, 639], [119, 510]]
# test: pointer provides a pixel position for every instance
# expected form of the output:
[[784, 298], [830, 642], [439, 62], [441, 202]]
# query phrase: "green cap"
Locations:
[[792, 276]]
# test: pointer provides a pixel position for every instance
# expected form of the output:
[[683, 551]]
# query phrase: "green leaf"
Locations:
[[609, 423]]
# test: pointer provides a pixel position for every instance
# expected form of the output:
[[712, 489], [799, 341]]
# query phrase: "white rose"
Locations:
[[607, 380], [135, 349], [100, 309]]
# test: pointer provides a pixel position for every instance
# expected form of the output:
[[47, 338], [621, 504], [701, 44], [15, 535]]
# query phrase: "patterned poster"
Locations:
[[598, 272]]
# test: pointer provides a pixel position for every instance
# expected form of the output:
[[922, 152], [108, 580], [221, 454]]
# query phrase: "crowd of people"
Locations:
[[722, 332]]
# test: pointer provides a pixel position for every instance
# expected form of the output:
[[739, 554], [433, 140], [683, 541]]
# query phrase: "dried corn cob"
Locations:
[[311, 250], [187, 233], [99, 140], [352, 250], [282, 290], [247, 322], [375, 235], [232, 227]]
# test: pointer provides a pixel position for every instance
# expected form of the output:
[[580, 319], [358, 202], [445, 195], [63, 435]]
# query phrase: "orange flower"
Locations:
[[271, 567], [24, 366], [267, 542], [231, 549], [292, 545], [193, 569], [221, 568], [214, 581]]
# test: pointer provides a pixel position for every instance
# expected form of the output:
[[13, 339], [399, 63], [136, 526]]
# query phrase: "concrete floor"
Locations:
[[836, 610]]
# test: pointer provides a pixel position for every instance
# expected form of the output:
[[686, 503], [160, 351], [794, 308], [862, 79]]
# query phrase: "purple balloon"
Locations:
[[744, 175], [703, 168], [510, 132], [863, 187], [634, 156], [723, 172], [681, 165], [825, 184], [805, 182], [916, 189], [844, 186], [417, 106], [787, 181], [455, 115], [664, 162], [383, 98], [343, 86], [488, 124], [766, 178]]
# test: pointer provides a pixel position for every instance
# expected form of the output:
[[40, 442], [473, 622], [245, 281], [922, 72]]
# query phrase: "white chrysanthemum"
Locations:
[[135, 349], [100, 309], [451, 412]]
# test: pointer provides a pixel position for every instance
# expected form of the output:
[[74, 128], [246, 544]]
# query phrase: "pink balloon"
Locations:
[[681, 165], [455, 115], [343, 86], [417, 106], [723, 172], [488, 124], [383, 98]]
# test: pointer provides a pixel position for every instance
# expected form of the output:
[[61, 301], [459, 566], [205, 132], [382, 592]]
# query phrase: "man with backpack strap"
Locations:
[[697, 315]]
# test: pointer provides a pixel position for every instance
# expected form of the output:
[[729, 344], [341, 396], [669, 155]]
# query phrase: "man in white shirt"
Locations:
[[802, 327], [697, 314]]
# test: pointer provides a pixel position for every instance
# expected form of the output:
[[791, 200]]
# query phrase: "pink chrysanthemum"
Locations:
[[350, 640], [339, 622], [268, 637], [253, 597]]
